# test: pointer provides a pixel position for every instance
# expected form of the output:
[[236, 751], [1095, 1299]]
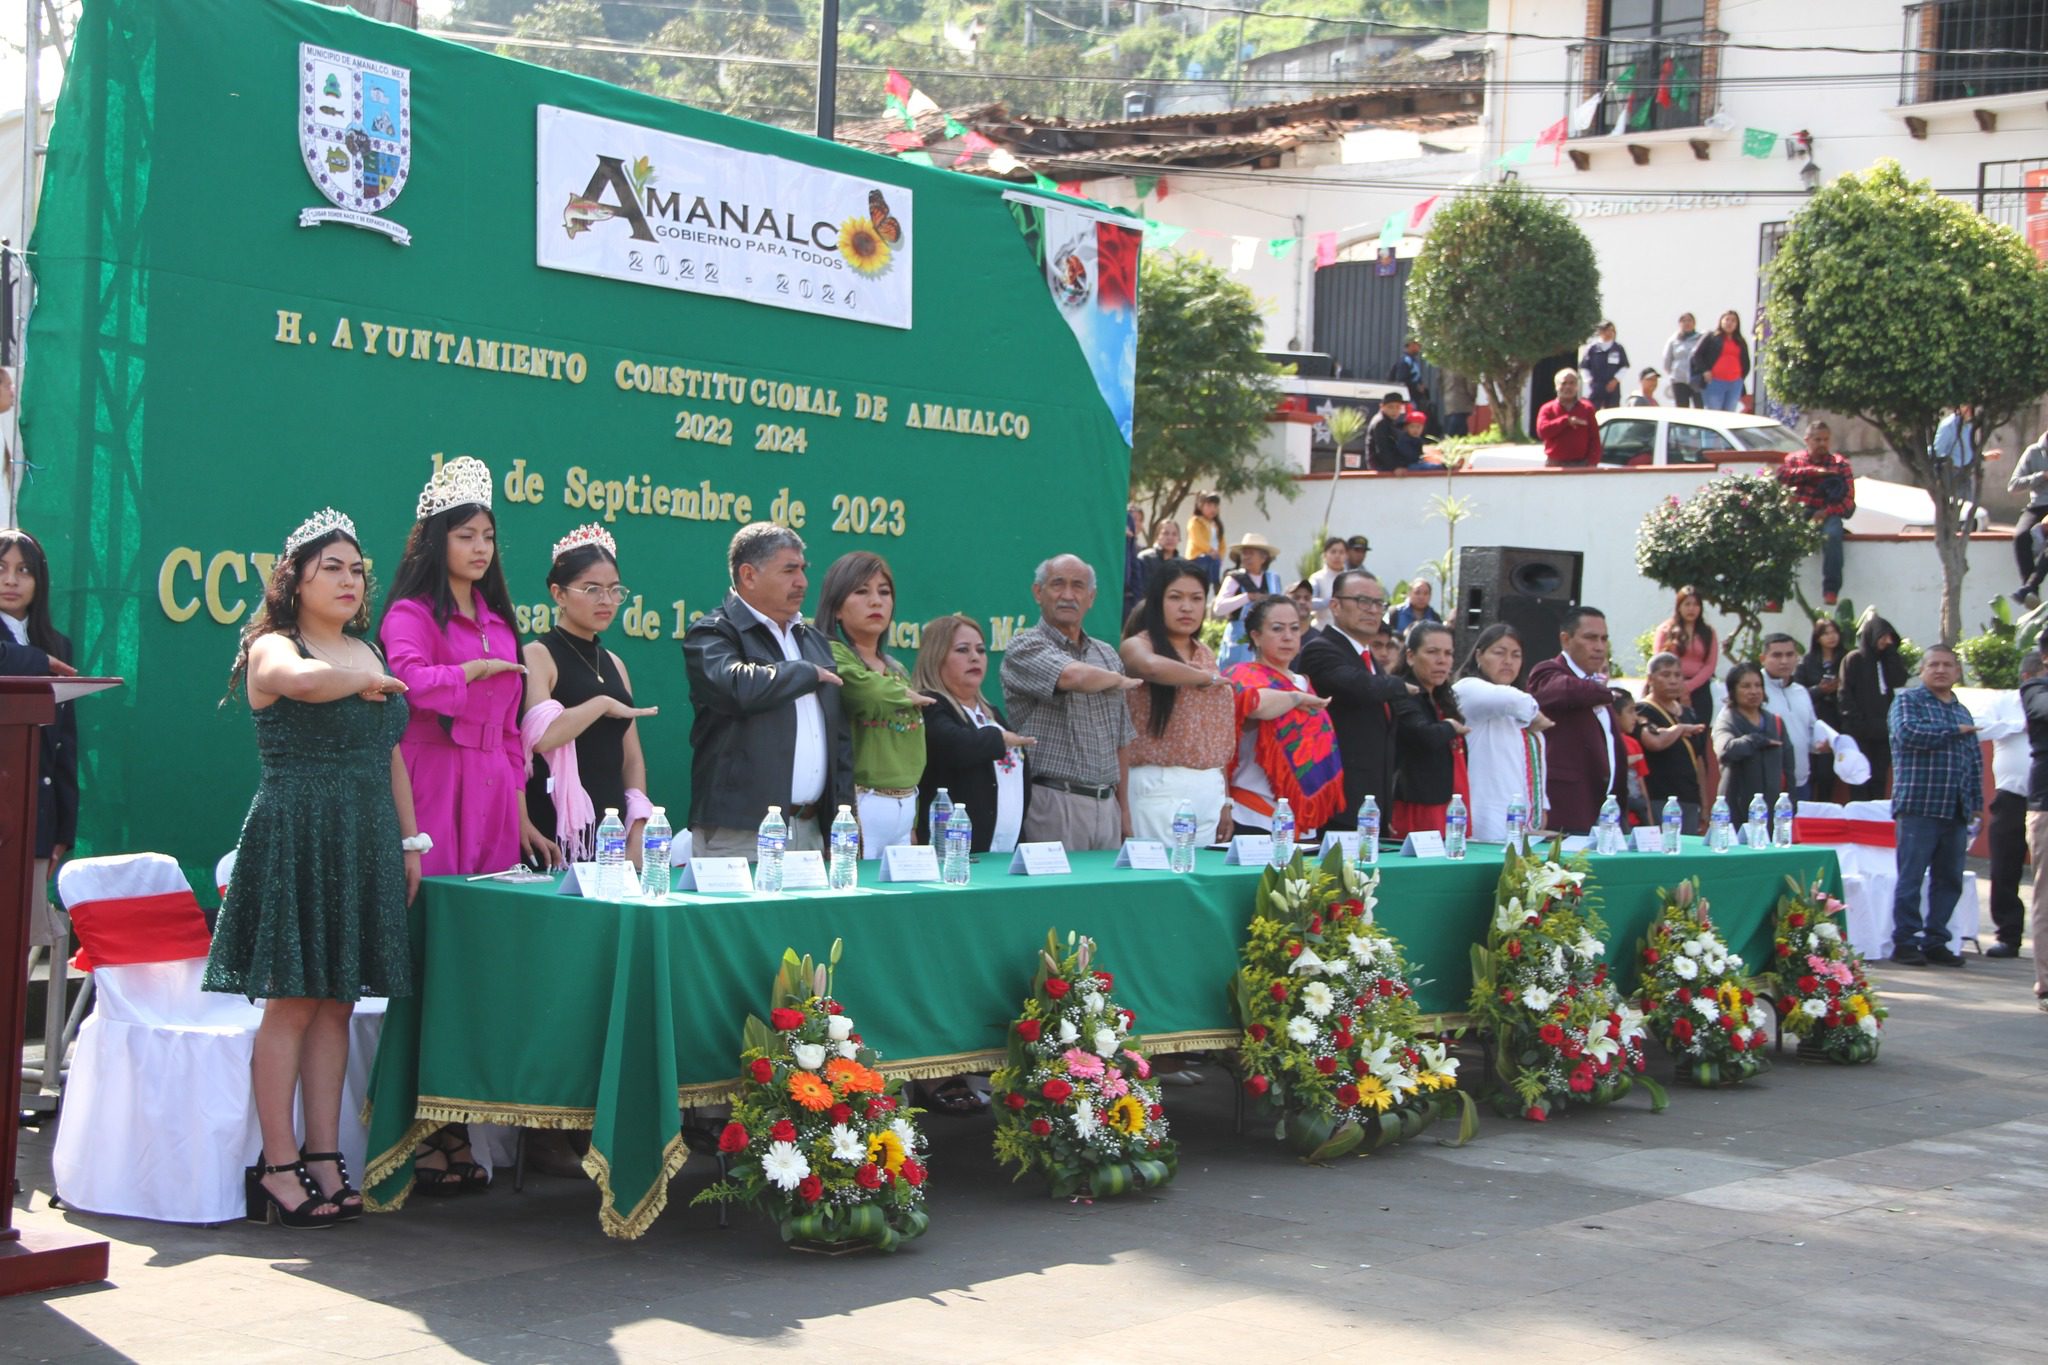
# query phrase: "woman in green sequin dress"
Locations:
[[315, 911]]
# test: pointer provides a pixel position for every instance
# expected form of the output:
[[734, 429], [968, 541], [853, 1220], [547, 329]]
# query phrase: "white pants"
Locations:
[[884, 821], [1156, 794]]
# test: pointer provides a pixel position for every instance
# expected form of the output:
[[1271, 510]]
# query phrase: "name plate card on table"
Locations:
[[1040, 860], [1147, 855], [1424, 843], [720, 876], [1346, 839], [1648, 838], [1578, 843], [577, 879], [804, 870], [910, 863], [1250, 850]]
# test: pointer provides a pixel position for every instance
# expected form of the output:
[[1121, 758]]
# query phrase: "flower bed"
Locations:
[[1694, 997], [1076, 1100], [818, 1138], [1823, 994], [1334, 1049], [1561, 1033]]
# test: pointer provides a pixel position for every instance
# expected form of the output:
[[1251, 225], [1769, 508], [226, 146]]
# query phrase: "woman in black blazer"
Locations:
[[30, 645], [969, 748]]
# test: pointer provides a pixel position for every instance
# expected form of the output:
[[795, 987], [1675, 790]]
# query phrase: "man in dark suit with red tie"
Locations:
[[1337, 660], [1583, 748]]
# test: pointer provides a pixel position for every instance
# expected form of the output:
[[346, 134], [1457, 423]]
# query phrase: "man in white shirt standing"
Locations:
[[768, 729], [2003, 721], [1805, 733]]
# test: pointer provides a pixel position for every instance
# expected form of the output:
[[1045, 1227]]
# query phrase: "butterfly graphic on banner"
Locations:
[[885, 223]]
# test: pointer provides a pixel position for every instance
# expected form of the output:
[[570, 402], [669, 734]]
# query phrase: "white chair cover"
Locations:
[[1870, 880], [158, 1119]]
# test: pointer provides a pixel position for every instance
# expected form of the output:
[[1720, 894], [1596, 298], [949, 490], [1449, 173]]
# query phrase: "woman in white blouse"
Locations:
[[1504, 750], [969, 748]]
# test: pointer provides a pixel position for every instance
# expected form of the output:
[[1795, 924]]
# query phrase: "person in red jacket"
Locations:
[[1583, 749], [1568, 427]]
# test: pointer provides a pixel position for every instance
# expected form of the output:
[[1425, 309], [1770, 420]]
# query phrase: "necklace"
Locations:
[[597, 665], [331, 663]]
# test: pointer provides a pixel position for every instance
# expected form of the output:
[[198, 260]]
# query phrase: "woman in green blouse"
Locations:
[[855, 608]]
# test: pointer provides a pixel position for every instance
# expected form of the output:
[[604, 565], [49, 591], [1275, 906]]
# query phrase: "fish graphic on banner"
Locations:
[[355, 134], [1091, 266]]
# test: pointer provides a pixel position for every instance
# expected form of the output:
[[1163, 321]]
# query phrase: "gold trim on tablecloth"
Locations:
[[651, 1204], [386, 1163], [555, 1116]]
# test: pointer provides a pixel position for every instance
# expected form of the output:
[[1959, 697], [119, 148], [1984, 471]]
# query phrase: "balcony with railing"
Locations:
[[1973, 49], [1668, 81]]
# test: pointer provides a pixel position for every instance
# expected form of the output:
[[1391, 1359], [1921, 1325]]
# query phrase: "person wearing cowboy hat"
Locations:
[[1251, 580]]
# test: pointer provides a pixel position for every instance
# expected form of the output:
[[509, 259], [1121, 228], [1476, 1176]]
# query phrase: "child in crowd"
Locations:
[[1637, 807], [1386, 649], [1205, 536]]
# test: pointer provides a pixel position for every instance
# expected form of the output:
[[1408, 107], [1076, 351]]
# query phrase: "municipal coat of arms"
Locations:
[[355, 135]]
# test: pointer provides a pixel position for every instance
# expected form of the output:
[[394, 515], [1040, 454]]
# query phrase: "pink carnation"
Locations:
[[1086, 1065], [1114, 1086], [1144, 1068]]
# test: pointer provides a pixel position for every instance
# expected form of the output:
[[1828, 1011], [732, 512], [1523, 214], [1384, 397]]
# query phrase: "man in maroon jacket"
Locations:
[[1568, 427], [1584, 751]]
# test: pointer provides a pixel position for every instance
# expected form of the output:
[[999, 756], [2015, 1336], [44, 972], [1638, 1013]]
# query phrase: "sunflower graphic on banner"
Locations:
[[1090, 261]]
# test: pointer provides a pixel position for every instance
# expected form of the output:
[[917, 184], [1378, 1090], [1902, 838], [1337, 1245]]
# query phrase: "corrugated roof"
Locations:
[[1262, 112], [1286, 138]]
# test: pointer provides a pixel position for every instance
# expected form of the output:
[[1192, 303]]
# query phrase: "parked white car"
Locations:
[[1660, 435]]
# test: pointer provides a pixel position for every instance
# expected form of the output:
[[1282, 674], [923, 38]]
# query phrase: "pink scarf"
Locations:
[[575, 818]]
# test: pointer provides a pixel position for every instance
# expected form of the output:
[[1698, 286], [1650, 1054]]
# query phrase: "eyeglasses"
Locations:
[[1362, 601], [593, 593]]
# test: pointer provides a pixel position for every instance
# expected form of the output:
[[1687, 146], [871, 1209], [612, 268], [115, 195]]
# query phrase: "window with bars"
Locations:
[[1655, 69], [2004, 187], [1970, 49]]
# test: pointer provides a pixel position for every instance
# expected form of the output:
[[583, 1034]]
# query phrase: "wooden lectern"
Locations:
[[39, 1260]]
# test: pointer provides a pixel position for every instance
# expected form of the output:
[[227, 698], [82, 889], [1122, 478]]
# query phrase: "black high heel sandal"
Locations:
[[349, 1212], [263, 1205]]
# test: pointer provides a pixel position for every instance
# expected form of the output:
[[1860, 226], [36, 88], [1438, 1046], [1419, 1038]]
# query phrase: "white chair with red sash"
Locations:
[[158, 1120], [1865, 841]]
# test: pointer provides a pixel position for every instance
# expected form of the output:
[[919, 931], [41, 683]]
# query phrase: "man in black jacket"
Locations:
[[768, 730], [1382, 434], [1338, 662]]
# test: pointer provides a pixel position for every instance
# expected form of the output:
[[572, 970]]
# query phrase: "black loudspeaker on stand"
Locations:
[[1520, 587]]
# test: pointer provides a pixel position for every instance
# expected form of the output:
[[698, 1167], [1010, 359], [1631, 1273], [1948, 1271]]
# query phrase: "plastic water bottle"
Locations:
[[1720, 827], [654, 844], [1607, 838], [1283, 834], [1456, 822], [959, 844], [1757, 832], [611, 856], [941, 811], [1674, 824], [1369, 832], [768, 846], [1781, 822], [844, 873], [1183, 850], [1518, 824]]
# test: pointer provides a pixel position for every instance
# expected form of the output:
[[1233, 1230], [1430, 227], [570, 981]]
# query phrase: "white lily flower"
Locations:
[[1538, 999], [1600, 1047], [1631, 1023], [1307, 964], [1684, 968], [1437, 1059], [1557, 962], [809, 1056], [1813, 940], [1317, 1000], [1301, 1029], [1589, 947], [1511, 916], [1368, 899], [838, 1028], [1827, 930], [1091, 1003], [847, 1144], [784, 1166]]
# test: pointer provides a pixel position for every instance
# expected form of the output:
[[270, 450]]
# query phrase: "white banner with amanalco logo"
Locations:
[[631, 203]]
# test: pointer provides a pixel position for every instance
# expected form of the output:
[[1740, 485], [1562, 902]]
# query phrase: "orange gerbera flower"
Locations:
[[810, 1092], [851, 1078]]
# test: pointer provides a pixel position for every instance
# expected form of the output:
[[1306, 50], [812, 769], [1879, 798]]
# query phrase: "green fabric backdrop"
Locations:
[[165, 416], [553, 1011]]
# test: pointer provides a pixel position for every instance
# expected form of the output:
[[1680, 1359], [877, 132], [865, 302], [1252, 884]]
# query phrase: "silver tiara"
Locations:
[[316, 526], [457, 483], [588, 534]]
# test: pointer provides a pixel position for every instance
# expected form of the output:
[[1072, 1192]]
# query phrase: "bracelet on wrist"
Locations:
[[418, 843]]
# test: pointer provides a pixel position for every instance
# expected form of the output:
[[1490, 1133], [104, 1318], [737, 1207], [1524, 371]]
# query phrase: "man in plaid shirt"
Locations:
[[1937, 794], [1826, 486]]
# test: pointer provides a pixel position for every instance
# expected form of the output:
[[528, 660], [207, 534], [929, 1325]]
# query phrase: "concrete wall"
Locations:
[[1597, 512]]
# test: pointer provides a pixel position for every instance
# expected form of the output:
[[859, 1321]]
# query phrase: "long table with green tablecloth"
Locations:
[[551, 1011]]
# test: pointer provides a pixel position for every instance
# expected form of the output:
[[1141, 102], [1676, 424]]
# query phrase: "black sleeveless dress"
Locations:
[[601, 748]]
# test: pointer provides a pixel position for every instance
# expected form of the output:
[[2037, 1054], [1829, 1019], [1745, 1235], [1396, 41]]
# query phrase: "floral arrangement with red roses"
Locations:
[[1694, 996], [1824, 997], [1076, 1099], [1561, 1032], [1335, 1049], [818, 1138]]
